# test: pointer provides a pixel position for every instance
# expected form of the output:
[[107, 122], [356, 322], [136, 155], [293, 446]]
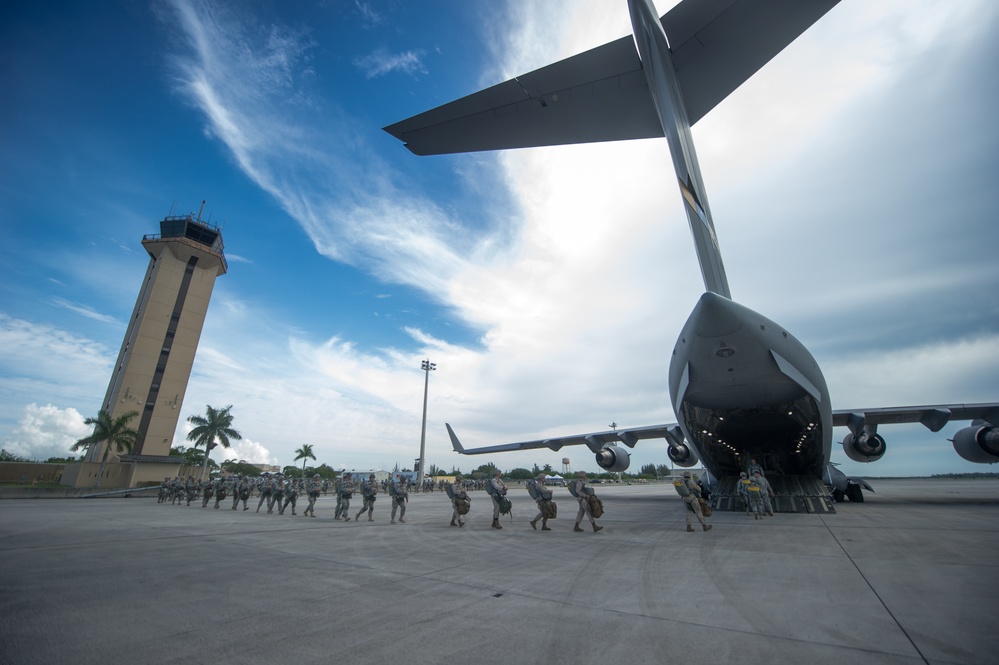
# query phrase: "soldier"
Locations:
[[208, 490], [191, 489], [497, 493], [241, 492], [345, 490], [336, 492], [460, 501], [742, 491], [766, 492], [691, 493], [290, 496], [265, 491], [579, 489], [277, 494], [221, 490], [369, 488], [754, 491], [753, 467], [164, 490], [400, 496], [313, 489], [543, 495]]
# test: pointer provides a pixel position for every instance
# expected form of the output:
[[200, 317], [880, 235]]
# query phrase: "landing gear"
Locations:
[[838, 496], [854, 493]]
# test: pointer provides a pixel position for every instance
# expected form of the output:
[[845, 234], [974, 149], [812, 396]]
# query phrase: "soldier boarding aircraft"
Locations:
[[740, 385]]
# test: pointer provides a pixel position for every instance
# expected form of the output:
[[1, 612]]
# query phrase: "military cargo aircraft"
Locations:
[[741, 385]]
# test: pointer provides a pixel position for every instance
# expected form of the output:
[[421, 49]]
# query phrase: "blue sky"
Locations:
[[852, 181]]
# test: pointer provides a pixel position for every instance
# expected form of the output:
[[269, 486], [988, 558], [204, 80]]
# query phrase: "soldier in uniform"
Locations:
[[753, 467], [742, 491], [754, 491], [766, 492], [344, 491], [369, 488], [542, 494], [265, 491], [208, 491], [191, 489], [400, 496], [499, 490], [221, 490], [313, 489], [459, 494], [241, 492], [290, 496], [164, 490], [277, 494], [582, 492], [691, 502]]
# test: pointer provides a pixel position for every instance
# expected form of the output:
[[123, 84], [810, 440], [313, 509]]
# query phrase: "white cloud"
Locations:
[[47, 431], [381, 62]]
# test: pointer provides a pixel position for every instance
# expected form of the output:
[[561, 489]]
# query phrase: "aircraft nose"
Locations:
[[716, 315]]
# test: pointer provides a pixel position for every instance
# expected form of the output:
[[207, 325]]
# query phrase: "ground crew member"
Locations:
[[691, 500], [742, 491], [499, 491], [766, 492], [582, 492], [313, 490], [543, 495], [400, 495], [459, 495], [369, 488]]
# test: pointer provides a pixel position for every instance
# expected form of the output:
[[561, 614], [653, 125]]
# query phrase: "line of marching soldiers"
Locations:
[[279, 492]]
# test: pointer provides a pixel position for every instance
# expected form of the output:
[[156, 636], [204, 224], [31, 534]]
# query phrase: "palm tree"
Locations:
[[116, 433], [214, 425], [305, 454]]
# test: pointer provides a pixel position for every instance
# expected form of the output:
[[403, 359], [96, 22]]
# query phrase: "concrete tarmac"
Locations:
[[909, 576]]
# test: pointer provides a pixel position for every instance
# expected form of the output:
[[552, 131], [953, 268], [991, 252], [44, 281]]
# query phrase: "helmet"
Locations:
[[742, 475], [686, 474]]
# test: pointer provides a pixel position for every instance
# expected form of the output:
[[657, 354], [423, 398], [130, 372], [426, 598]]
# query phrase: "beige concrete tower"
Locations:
[[157, 354]]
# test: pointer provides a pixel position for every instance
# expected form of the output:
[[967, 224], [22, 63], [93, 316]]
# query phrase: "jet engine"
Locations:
[[681, 455], [978, 443], [867, 447], [613, 458]]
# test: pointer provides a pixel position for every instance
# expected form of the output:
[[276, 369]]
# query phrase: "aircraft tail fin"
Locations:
[[458, 448]]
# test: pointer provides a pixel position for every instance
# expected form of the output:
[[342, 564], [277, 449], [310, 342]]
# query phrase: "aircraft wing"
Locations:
[[594, 441], [934, 417], [602, 95]]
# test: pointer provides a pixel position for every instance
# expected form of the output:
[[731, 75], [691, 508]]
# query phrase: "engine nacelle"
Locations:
[[613, 459], [868, 447], [682, 455], [978, 443]]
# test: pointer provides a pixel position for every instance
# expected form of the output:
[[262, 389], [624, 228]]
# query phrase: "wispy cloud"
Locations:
[[85, 311], [381, 62]]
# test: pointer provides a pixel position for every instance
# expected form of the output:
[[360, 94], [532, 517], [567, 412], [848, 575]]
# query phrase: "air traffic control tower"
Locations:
[[157, 354]]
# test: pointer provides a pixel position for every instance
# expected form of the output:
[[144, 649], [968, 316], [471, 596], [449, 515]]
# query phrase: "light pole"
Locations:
[[427, 367]]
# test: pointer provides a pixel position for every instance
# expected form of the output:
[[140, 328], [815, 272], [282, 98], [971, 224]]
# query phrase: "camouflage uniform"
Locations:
[[369, 488], [693, 505], [541, 494], [241, 492], [742, 491], [221, 491], [290, 496], [313, 489], [208, 490], [277, 494], [345, 488], [265, 492], [400, 495], [499, 491], [581, 491], [458, 489], [766, 492], [191, 489]]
